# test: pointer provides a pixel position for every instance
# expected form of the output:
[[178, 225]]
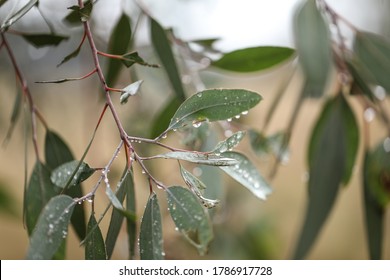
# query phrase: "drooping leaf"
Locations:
[[373, 208], [129, 59], [190, 217], [79, 15], [164, 116], [229, 143], [118, 205], [162, 46], [119, 43], [332, 153], [246, 173], [73, 54], [374, 53], [313, 44], [42, 40], [62, 174], [128, 185], [130, 90], [57, 153], [94, 247], [253, 59], [17, 15], [39, 191], [214, 105], [199, 158], [51, 228], [151, 236]]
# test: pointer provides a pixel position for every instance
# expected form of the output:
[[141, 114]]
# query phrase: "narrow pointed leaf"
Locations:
[[313, 44], [118, 205], [253, 59], [129, 59], [151, 237], [79, 15], [229, 143], [14, 116], [42, 40], [130, 90], [131, 225], [119, 43], [161, 45], [62, 174], [161, 122], [51, 228], [73, 54], [190, 217], [94, 247], [214, 105], [16, 16], [246, 173], [199, 158], [374, 53]]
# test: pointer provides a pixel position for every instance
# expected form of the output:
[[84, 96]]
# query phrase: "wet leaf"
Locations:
[[64, 173], [162, 46], [130, 90], [312, 40], [229, 143], [119, 43], [373, 51], [43, 40], [253, 59], [190, 217], [246, 173], [94, 247], [16, 16], [151, 237], [164, 117], [214, 105], [51, 229], [199, 158], [79, 15]]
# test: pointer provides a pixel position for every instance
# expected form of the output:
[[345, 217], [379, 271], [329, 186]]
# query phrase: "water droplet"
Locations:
[[197, 171], [380, 93], [196, 124], [164, 136], [199, 94], [80, 202], [237, 117], [386, 144], [229, 119], [143, 172], [89, 200], [228, 133], [245, 113], [369, 114]]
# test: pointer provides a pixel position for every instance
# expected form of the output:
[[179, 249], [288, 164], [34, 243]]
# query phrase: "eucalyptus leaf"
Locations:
[[151, 236], [359, 80], [199, 158], [118, 205], [51, 228], [73, 54], [190, 217], [214, 105], [229, 143], [94, 247], [246, 173], [62, 174], [16, 16], [313, 44], [130, 90], [253, 59], [79, 15], [43, 40], [129, 59]]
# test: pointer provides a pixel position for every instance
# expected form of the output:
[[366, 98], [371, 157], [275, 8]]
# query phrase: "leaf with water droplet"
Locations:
[[190, 217], [118, 205], [17, 15], [246, 173], [130, 90], [199, 158], [229, 143], [94, 247], [66, 172], [49, 231], [151, 237], [214, 105]]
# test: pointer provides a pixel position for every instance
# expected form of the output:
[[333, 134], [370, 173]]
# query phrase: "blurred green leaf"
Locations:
[[63, 173], [313, 44], [128, 185], [190, 217], [253, 59], [164, 116], [51, 229], [7, 201], [43, 40], [14, 116], [246, 173], [214, 105], [374, 210], [199, 158], [94, 248], [79, 15], [151, 236], [374, 53], [263, 145], [129, 59], [16, 16], [73, 54], [332, 153], [161, 45], [119, 43], [229, 143], [359, 80]]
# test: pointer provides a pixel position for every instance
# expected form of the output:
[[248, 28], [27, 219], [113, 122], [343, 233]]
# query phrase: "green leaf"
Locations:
[[119, 43], [51, 229], [62, 174], [199, 158], [94, 248], [313, 44], [79, 15], [151, 237], [359, 80], [161, 45], [190, 217], [16, 16], [374, 53], [73, 54], [132, 58], [229, 143], [39, 191], [164, 116], [263, 145], [128, 184], [332, 153], [246, 173], [253, 59], [214, 105], [373, 209], [42, 40], [7, 201], [130, 90], [118, 205]]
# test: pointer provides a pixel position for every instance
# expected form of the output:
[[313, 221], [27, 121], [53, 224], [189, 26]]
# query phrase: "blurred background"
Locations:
[[245, 228]]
